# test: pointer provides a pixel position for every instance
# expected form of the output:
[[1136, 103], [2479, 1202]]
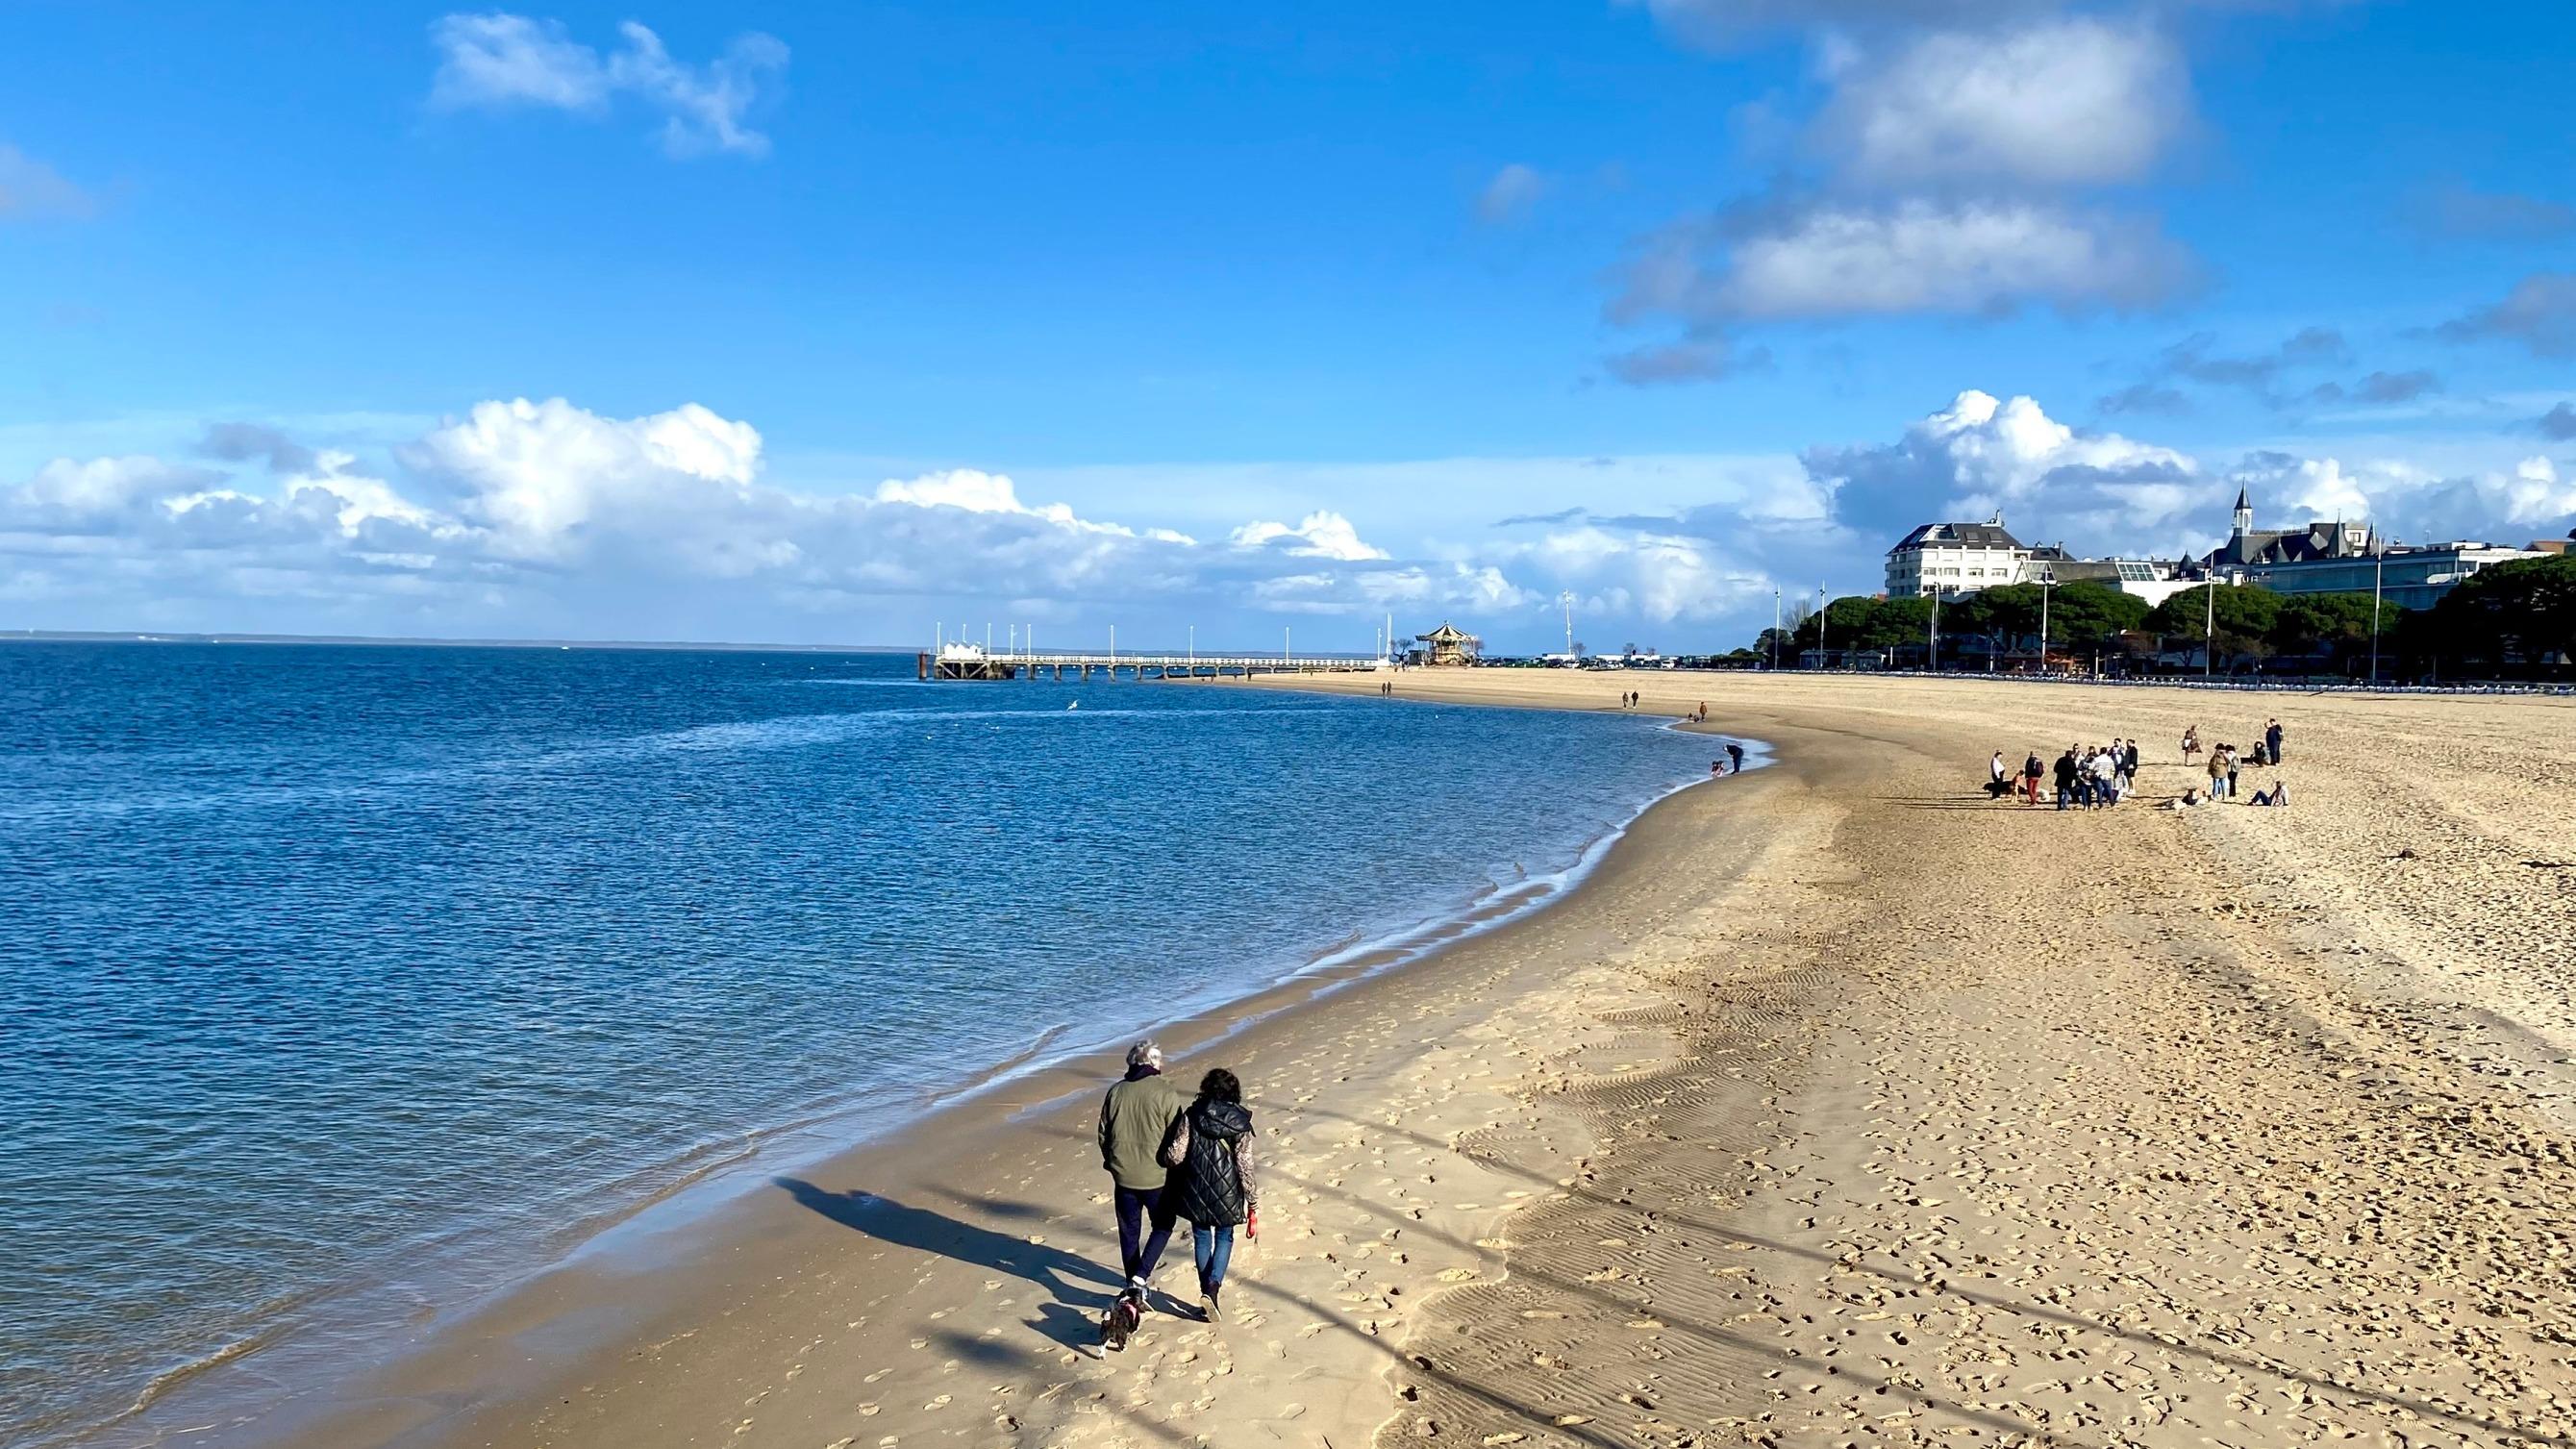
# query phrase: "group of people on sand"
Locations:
[[2094, 777], [2226, 761], [1172, 1157]]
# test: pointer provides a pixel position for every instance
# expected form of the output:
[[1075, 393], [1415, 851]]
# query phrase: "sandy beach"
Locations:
[[1840, 1106]]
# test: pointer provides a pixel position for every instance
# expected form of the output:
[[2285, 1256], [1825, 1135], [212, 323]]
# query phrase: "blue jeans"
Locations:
[[1137, 1252], [1214, 1248]]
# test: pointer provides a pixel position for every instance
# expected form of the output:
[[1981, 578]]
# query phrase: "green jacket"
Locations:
[[1135, 1117]]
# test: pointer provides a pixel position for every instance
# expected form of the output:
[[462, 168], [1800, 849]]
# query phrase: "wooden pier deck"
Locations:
[[977, 665]]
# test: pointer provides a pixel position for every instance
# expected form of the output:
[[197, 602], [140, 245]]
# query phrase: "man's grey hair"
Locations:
[[1146, 1053]]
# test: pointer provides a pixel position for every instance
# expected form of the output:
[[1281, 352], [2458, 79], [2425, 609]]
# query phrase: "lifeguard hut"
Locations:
[[1449, 644]]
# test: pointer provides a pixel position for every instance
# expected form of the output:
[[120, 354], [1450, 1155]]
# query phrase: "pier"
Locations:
[[971, 662]]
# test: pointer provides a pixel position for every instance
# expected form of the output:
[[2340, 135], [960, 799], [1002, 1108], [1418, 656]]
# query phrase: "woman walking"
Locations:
[[1212, 1184], [2190, 743]]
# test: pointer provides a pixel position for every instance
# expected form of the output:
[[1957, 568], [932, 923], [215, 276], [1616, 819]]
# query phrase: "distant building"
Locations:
[[2153, 580], [2336, 557], [1449, 645], [1954, 558], [1950, 559]]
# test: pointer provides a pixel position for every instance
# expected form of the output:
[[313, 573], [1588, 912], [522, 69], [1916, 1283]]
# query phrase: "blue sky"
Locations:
[[763, 322]]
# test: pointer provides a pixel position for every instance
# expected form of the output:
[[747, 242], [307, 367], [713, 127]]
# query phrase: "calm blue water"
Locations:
[[319, 965]]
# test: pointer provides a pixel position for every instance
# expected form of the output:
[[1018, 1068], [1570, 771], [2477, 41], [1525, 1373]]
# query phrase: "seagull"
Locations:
[[1073, 704]]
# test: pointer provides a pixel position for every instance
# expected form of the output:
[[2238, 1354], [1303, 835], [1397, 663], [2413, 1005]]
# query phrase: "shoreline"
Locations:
[[336, 1362]]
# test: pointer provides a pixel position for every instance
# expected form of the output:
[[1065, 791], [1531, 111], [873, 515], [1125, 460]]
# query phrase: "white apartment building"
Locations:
[[1954, 558]]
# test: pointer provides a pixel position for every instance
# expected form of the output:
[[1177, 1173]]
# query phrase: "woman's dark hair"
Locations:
[[1222, 1085]]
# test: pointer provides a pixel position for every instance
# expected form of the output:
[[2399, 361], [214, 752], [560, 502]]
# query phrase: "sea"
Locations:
[[341, 983]]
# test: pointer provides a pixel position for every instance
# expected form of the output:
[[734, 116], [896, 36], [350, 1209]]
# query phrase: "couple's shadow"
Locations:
[[1080, 1288]]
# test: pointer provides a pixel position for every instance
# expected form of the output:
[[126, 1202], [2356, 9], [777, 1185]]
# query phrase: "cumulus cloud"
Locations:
[[1318, 535], [2503, 505], [2057, 102], [1983, 455], [500, 60], [30, 190], [2539, 313], [1832, 258], [1510, 195], [523, 513]]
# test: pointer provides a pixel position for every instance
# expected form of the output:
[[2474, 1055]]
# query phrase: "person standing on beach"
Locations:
[[1212, 1180], [1136, 1116], [2190, 743], [1735, 758], [2232, 764], [2218, 773], [2132, 763], [2066, 773], [2031, 770], [2272, 740], [1997, 786]]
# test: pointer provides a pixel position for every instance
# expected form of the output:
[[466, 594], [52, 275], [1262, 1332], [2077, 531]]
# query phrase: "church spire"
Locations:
[[2244, 512]]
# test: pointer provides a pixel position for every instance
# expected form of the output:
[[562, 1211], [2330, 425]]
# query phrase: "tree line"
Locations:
[[2513, 620]]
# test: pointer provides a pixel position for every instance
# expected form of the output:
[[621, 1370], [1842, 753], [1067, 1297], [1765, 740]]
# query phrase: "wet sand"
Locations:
[[1838, 1106]]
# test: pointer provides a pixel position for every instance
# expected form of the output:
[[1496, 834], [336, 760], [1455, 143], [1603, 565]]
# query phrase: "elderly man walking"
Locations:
[[1135, 1116]]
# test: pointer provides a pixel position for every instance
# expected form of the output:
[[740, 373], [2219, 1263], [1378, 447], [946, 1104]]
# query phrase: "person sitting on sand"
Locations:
[[1212, 1180], [2184, 801], [2279, 794], [1135, 1117]]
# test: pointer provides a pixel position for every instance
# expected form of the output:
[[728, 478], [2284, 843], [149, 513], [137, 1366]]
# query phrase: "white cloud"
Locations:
[[1843, 259], [499, 60], [2538, 493], [2061, 101], [1510, 195], [30, 190], [1982, 455], [1322, 534], [536, 472]]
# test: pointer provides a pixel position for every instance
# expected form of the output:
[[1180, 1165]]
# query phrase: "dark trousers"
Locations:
[[1139, 1251]]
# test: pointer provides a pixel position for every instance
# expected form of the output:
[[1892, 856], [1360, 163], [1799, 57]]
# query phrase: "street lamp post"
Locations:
[[2209, 629], [2378, 571], [1820, 626], [2047, 581], [1932, 648], [1775, 628]]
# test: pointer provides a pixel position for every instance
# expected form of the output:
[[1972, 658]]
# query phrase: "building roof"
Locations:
[[1959, 535], [1447, 633]]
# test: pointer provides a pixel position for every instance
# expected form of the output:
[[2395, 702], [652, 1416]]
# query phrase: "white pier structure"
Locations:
[[975, 662]]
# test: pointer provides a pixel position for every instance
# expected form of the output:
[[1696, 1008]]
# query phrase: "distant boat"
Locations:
[[1073, 704]]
